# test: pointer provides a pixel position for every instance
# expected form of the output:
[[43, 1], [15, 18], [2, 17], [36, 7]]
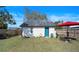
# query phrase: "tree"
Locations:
[[35, 17], [2, 6], [5, 18], [57, 22]]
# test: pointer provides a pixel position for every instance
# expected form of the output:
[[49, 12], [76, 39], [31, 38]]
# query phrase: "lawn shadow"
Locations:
[[68, 39]]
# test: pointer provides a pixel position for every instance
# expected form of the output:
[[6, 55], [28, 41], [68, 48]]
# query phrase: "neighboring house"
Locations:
[[42, 30]]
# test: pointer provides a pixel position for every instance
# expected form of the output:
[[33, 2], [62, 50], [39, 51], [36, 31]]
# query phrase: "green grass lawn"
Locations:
[[18, 44]]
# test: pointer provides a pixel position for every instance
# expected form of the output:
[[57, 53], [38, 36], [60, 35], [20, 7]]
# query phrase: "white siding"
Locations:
[[38, 31], [52, 31], [26, 31], [23, 31]]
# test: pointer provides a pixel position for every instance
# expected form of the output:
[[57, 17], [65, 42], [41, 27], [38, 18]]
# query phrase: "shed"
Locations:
[[46, 30]]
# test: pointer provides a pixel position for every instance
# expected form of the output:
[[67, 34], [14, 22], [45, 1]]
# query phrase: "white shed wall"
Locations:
[[38, 31], [26, 31], [52, 31]]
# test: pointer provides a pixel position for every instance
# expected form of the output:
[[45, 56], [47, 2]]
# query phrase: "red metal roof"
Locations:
[[68, 24]]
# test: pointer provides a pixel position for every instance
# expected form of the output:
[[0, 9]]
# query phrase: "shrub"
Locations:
[[11, 33]]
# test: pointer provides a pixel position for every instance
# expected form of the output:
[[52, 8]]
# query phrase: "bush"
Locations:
[[11, 33], [3, 34]]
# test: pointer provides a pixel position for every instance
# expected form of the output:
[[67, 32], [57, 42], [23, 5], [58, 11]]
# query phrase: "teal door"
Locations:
[[46, 31]]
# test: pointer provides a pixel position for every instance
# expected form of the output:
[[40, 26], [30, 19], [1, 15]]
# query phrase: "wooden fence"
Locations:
[[72, 33]]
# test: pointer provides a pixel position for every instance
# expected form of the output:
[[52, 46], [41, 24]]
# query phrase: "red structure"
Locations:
[[67, 24]]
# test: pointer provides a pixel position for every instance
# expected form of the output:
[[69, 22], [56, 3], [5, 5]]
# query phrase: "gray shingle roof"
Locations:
[[36, 23]]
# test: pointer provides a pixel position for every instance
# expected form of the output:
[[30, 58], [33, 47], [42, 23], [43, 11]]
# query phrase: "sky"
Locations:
[[54, 13]]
